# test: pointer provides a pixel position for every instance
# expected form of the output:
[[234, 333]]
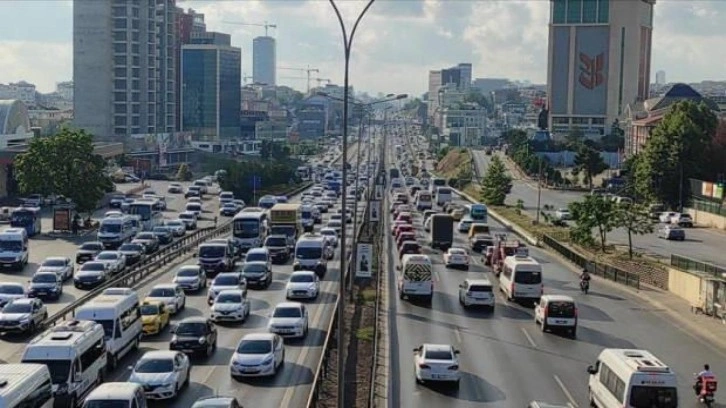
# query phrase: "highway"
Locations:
[[703, 244]]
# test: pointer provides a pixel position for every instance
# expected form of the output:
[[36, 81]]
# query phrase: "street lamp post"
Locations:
[[347, 45]]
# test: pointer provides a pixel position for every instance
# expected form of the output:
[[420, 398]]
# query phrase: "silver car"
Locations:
[[61, 266]]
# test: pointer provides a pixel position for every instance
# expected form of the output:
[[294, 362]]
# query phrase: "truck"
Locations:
[[286, 219], [505, 248], [442, 231]]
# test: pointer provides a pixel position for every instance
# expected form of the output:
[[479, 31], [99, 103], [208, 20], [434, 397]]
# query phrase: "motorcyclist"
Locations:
[[706, 373]]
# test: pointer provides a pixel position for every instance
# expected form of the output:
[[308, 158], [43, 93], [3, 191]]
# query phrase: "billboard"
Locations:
[[591, 70], [363, 267]]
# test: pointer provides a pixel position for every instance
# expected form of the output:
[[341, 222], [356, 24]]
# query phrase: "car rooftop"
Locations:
[[559, 298], [479, 281], [438, 347], [22, 300], [193, 319], [302, 273], [165, 286], [55, 258], [158, 354], [288, 304], [258, 336]]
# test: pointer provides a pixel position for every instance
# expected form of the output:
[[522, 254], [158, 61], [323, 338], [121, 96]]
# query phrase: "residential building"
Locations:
[[455, 78], [49, 121], [598, 61], [463, 124], [22, 91], [489, 85], [264, 60], [124, 63], [271, 130], [65, 90], [311, 120], [211, 82]]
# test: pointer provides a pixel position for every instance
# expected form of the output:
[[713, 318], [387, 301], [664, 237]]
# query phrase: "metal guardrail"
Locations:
[[689, 264], [149, 265]]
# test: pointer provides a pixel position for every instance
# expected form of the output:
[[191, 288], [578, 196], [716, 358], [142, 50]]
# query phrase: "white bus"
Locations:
[[424, 200], [75, 353], [521, 278], [443, 195], [114, 231], [250, 229], [304, 172], [25, 385], [150, 217], [435, 183], [120, 317], [416, 280], [624, 378]]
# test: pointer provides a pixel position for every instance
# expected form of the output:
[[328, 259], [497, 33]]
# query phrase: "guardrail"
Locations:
[[150, 264], [689, 264]]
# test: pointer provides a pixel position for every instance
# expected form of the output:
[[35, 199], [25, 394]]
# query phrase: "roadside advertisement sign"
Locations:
[[375, 209], [364, 261]]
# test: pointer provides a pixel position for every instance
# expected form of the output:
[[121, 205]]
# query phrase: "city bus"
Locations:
[[27, 218], [304, 173], [249, 229], [147, 212]]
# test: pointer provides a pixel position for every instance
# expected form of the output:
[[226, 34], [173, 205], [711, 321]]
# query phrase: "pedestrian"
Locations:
[[74, 224], [215, 220]]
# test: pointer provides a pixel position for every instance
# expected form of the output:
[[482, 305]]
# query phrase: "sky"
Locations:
[[396, 43]]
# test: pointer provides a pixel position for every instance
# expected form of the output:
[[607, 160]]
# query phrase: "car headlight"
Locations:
[[202, 340], [311, 286], [17, 258], [267, 360]]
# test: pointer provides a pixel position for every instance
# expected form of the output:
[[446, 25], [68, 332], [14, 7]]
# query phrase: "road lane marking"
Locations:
[[529, 338], [436, 275], [457, 333], [565, 391]]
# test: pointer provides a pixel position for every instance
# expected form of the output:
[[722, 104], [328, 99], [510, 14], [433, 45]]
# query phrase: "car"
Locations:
[[556, 312], [257, 355], [162, 373], [116, 200], [682, 220], [171, 294], [335, 224], [175, 188], [398, 224], [190, 219], [457, 214], [672, 232], [22, 315], [563, 214], [190, 278], [259, 254], [303, 285], [229, 209], [427, 224], [114, 260], [149, 240], [480, 242], [193, 191], [88, 250], [164, 234], [11, 291], [408, 247], [476, 292], [464, 225], [667, 216], [178, 227], [225, 281], [45, 285], [456, 257], [61, 266], [257, 274], [231, 305], [436, 363], [278, 248], [217, 401], [289, 319], [154, 317], [331, 235], [132, 252], [194, 335], [90, 275]]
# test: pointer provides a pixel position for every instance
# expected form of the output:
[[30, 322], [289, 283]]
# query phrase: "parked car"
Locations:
[[563, 214], [672, 232], [667, 216], [682, 220]]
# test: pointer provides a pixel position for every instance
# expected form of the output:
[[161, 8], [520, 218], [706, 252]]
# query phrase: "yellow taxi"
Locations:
[[154, 317]]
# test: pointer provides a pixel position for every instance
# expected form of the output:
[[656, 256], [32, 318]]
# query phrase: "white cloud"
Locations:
[[41, 63]]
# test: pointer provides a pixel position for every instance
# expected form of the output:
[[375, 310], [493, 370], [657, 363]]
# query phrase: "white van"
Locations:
[[312, 253], [443, 195], [117, 395], [114, 231], [521, 278], [75, 353], [556, 313], [424, 200], [415, 280], [25, 385], [631, 378], [195, 208], [120, 317], [14, 248]]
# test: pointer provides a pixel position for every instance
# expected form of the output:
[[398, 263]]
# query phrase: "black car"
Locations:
[[194, 335], [257, 275], [149, 240], [480, 242], [164, 235], [409, 247], [88, 251], [45, 285], [279, 250], [132, 252]]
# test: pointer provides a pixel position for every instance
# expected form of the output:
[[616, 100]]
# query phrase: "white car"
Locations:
[[667, 216], [563, 214], [22, 315], [177, 227], [257, 355], [114, 260], [682, 220], [162, 373], [465, 224], [436, 362], [476, 292], [170, 294], [289, 319], [226, 281], [231, 305], [331, 235], [456, 257], [336, 224], [197, 200], [427, 224], [303, 285], [191, 278], [189, 218], [61, 266]]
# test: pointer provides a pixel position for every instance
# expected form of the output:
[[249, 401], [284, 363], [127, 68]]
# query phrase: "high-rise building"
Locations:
[[598, 61], [660, 78], [65, 90], [211, 84], [190, 23], [264, 60], [464, 75], [124, 63]]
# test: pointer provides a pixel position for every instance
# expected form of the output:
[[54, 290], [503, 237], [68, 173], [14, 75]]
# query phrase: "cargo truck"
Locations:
[[286, 219], [442, 231]]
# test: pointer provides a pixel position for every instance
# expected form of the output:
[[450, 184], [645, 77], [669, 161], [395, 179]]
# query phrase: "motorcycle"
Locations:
[[584, 286], [707, 393]]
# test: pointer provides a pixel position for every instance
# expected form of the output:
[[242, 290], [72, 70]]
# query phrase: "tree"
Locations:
[[475, 96], [184, 174], [594, 212], [574, 138], [675, 151], [64, 164], [495, 183], [589, 162], [635, 220]]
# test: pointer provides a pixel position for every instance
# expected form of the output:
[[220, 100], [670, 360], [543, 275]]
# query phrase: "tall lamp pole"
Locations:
[[347, 45]]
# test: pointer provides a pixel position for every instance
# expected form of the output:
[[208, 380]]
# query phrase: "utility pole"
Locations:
[[680, 189], [539, 189]]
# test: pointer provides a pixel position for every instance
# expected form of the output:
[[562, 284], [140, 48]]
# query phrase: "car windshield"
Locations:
[[457, 251], [161, 230], [54, 263], [110, 227], [309, 253], [480, 288], [107, 256], [131, 248], [255, 268], [254, 347], [438, 355], [17, 308], [186, 216], [229, 298], [188, 272], [162, 292], [106, 404], [45, 278], [59, 369], [528, 277], [211, 251], [226, 281], [175, 223], [252, 257], [146, 235], [301, 278], [191, 329], [287, 312], [276, 241], [155, 365], [247, 228], [93, 266], [284, 230], [12, 246], [149, 310]]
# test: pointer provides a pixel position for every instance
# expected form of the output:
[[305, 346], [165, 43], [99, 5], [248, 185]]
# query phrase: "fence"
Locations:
[[689, 264], [606, 271]]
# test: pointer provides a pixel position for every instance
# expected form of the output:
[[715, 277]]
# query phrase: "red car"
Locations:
[[409, 247], [405, 216], [405, 236], [403, 228]]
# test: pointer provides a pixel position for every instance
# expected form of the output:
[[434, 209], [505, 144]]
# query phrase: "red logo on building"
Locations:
[[591, 70]]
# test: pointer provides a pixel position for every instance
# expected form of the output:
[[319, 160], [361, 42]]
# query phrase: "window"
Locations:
[[560, 121], [119, 23], [90, 356], [135, 108], [119, 84], [612, 382], [119, 35], [119, 11], [135, 48], [135, 24], [119, 72], [120, 108], [119, 121], [574, 11], [119, 96], [119, 131], [135, 121], [130, 316], [119, 60], [598, 121], [603, 13], [39, 396], [589, 11], [580, 121], [134, 96], [136, 61]]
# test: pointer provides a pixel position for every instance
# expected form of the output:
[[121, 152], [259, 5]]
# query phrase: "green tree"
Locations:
[[574, 138], [64, 164], [594, 212], [635, 220], [184, 173], [589, 162], [475, 96], [495, 183], [675, 152]]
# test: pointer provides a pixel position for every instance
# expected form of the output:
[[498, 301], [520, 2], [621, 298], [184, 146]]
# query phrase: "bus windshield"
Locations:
[[142, 210], [21, 218], [247, 228]]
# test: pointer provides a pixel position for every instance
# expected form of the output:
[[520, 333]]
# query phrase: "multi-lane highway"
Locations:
[[701, 243]]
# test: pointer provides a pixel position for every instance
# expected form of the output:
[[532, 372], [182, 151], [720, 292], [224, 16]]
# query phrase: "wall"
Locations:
[[685, 285], [706, 219]]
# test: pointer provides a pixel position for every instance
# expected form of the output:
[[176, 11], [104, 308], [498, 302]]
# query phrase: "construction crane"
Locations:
[[266, 25], [307, 70]]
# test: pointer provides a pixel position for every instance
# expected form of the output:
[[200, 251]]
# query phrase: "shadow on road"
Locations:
[[602, 339], [471, 388]]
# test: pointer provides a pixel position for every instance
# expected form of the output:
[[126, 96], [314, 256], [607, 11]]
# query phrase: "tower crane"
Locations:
[[307, 70], [266, 25]]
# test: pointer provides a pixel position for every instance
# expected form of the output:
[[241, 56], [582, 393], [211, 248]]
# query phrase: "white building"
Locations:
[[660, 78], [264, 60], [22, 91], [65, 90], [14, 123], [463, 124]]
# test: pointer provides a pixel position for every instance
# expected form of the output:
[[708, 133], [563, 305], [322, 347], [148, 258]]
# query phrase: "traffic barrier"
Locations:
[[150, 264], [689, 264]]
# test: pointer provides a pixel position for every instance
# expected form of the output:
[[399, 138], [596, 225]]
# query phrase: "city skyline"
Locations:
[[395, 47]]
